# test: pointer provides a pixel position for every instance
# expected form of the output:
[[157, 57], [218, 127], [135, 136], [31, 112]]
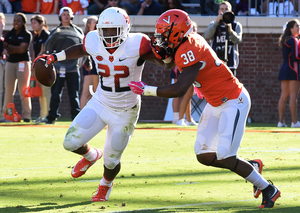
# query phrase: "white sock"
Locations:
[[91, 155], [176, 115], [256, 179], [105, 182]]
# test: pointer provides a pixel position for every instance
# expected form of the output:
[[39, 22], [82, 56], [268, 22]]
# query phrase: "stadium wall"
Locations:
[[260, 61]]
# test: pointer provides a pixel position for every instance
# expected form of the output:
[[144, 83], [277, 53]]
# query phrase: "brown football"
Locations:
[[45, 74]]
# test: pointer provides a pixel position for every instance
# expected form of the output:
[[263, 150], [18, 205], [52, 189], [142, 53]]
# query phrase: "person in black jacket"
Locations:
[[63, 36], [18, 64], [219, 32], [40, 28], [2, 63]]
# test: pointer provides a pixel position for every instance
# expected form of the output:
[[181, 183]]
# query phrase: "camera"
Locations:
[[228, 17]]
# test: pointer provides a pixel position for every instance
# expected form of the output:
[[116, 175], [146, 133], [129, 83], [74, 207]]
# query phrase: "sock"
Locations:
[[257, 180], [105, 182], [176, 116], [91, 155]]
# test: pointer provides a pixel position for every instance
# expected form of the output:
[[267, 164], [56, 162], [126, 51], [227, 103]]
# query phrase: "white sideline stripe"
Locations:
[[199, 204]]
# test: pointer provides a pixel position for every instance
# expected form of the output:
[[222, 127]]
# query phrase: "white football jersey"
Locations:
[[118, 69]]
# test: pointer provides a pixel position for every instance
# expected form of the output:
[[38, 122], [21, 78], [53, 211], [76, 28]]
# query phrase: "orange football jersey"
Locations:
[[215, 80], [47, 6]]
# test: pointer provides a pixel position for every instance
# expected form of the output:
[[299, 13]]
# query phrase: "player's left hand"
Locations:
[[50, 58], [137, 87]]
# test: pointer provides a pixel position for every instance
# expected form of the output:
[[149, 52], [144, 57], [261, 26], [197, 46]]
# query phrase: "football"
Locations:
[[44, 73]]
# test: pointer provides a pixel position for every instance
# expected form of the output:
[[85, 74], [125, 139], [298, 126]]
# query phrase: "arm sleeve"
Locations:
[[145, 45], [236, 35], [210, 31], [293, 44]]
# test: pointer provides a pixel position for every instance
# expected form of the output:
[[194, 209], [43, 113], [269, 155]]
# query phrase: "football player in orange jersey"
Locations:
[[222, 124]]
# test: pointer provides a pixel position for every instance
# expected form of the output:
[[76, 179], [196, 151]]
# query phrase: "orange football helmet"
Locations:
[[171, 27]]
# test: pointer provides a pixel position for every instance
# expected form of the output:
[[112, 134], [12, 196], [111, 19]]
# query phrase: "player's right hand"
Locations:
[[49, 58]]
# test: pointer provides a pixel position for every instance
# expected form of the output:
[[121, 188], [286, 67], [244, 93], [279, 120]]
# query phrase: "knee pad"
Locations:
[[223, 149], [69, 144], [111, 162], [77, 132]]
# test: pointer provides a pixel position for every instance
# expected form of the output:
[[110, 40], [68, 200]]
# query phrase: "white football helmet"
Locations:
[[114, 17]]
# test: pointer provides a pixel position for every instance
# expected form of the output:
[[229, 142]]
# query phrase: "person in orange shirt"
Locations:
[[28, 6], [222, 123], [79, 7], [47, 6]]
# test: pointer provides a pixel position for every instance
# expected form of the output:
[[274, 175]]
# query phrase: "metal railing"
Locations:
[[274, 8]]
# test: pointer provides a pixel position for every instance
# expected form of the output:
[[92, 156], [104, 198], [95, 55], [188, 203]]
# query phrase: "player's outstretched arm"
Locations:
[[184, 82], [73, 52]]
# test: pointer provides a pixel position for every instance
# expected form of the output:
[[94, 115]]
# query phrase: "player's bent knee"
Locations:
[[69, 146], [111, 164], [206, 160], [222, 152]]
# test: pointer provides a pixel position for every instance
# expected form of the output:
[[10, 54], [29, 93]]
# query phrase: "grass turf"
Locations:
[[159, 172]]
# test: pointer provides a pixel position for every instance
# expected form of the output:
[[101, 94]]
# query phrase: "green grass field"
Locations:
[[159, 172]]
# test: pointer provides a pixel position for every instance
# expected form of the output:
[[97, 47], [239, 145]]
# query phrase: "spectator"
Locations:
[[289, 73], [130, 6], [149, 7], [63, 36], [242, 8], [212, 6], [79, 7], [219, 32], [90, 75], [112, 3], [96, 7], [280, 8], [202, 8], [2, 63], [16, 6], [5, 6], [47, 7], [176, 101], [185, 106], [18, 64], [40, 28], [173, 4], [29, 6]]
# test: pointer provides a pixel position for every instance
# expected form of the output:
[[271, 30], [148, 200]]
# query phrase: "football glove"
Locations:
[[159, 52], [137, 87], [50, 58], [198, 93]]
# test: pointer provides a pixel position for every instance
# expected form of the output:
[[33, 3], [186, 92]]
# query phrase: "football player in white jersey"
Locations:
[[119, 57]]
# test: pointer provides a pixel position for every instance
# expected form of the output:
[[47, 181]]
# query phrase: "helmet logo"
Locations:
[[167, 20]]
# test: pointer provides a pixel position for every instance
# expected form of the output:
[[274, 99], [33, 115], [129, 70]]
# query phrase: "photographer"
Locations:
[[225, 36]]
